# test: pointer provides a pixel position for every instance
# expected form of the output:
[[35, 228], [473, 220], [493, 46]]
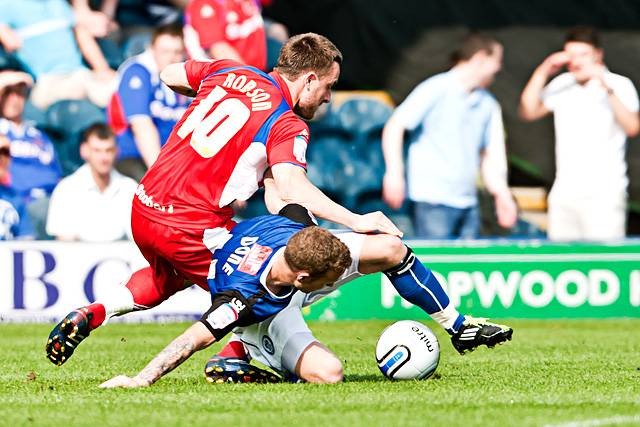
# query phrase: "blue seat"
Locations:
[[111, 52], [370, 148], [325, 120], [8, 61], [361, 114], [136, 44], [71, 116], [66, 121], [362, 181], [68, 154], [273, 52], [327, 156], [34, 114], [255, 206]]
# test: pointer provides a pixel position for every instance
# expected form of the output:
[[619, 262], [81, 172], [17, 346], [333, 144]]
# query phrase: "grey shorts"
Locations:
[[279, 341]]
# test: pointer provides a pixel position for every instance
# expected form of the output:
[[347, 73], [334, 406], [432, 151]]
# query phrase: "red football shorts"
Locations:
[[177, 259]]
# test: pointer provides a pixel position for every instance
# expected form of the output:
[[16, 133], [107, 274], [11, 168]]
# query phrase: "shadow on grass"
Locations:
[[356, 378], [378, 378]]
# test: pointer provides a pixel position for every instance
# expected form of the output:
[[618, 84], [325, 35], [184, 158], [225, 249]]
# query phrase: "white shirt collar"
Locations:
[[265, 273], [86, 177]]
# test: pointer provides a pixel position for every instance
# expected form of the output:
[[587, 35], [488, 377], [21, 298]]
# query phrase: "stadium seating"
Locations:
[[112, 52], [362, 181], [8, 61], [345, 155], [273, 51], [361, 115], [66, 121], [35, 115], [255, 206], [136, 44], [328, 157]]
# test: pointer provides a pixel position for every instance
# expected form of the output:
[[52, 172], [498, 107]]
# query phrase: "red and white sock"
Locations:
[[235, 349], [119, 301]]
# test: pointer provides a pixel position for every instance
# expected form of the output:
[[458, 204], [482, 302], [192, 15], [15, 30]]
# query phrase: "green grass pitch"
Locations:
[[552, 373]]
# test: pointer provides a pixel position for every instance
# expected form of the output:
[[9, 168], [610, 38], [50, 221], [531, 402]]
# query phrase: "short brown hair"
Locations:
[[316, 251], [167, 29], [472, 44], [583, 35], [99, 130], [307, 52]]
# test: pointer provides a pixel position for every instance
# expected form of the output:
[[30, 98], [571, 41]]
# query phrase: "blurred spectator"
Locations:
[[458, 127], [277, 35], [100, 23], [94, 203], [275, 30], [594, 111], [137, 14], [35, 169], [226, 29], [13, 217], [46, 39], [144, 110], [103, 17]]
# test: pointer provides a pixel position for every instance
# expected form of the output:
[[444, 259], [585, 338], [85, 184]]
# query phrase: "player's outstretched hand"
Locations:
[[376, 221], [123, 381]]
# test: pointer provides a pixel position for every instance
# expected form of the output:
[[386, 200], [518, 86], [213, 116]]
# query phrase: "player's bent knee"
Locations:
[[394, 250], [381, 252], [332, 372], [329, 372], [319, 365]]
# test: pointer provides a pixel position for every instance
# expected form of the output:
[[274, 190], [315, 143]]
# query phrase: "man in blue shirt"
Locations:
[[35, 169], [13, 218], [458, 129], [263, 263], [144, 110]]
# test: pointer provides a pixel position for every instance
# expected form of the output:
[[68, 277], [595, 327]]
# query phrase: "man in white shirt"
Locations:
[[594, 111], [94, 203]]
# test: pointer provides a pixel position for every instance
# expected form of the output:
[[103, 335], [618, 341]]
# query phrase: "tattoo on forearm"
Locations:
[[168, 359]]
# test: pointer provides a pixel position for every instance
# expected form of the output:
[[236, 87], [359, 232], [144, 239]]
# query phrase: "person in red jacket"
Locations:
[[226, 29]]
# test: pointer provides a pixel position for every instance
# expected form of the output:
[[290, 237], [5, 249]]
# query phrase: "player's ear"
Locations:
[[309, 78], [302, 276]]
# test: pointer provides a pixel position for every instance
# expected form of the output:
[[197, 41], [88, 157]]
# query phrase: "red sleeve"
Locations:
[[198, 70], [208, 18], [288, 140]]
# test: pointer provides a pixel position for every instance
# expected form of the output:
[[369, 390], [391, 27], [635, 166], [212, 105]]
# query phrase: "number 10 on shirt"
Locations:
[[212, 133]]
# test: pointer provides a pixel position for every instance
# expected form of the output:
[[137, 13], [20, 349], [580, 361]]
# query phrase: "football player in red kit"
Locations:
[[241, 123]]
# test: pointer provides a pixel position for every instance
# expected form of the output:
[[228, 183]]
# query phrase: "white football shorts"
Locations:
[[279, 341]]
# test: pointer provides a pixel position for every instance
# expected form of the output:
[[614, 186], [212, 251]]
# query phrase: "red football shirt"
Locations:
[[238, 125], [237, 22]]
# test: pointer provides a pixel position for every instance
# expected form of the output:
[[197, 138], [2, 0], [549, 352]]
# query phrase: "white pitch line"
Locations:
[[595, 422]]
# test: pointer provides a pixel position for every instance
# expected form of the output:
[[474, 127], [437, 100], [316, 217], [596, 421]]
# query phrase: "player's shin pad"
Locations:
[[417, 284]]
